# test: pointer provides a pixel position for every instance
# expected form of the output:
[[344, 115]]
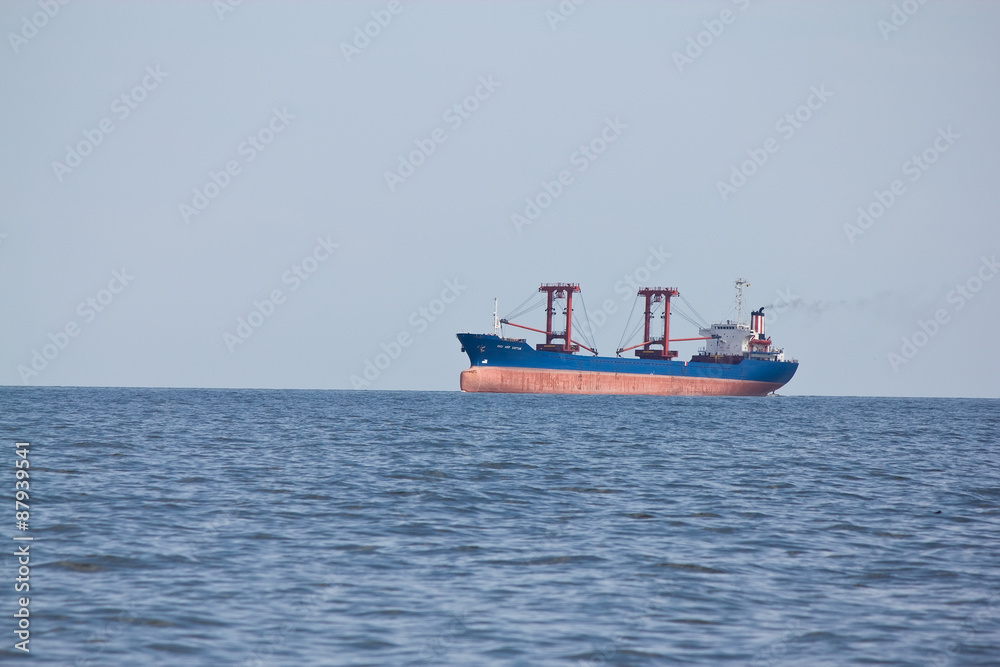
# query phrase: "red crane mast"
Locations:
[[657, 295]]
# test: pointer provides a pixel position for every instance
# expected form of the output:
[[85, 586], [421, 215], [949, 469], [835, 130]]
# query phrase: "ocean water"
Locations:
[[252, 527]]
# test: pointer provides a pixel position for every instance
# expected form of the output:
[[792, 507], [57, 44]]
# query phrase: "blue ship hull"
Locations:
[[511, 366]]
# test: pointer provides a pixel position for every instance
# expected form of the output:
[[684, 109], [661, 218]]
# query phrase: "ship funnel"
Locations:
[[757, 323]]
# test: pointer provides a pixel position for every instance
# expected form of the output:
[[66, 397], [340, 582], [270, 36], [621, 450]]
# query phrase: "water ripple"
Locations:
[[380, 528]]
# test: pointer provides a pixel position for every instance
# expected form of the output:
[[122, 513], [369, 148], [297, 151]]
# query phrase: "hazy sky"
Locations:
[[168, 168]]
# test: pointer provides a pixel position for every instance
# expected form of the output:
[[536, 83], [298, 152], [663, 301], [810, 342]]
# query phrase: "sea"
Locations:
[[269, 527]]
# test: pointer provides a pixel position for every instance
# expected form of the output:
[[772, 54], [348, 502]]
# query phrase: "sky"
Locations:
[[320, 195]]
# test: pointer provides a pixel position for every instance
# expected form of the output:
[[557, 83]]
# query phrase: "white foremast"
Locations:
[[740, 284]]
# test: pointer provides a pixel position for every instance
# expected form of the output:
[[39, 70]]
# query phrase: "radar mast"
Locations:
[[740, 284]]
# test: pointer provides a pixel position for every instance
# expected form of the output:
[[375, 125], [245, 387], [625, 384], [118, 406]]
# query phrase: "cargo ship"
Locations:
[[738, 359]]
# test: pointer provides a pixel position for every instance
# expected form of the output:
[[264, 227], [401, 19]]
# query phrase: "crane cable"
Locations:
[[655, 309], [678, 311], [588, 339], [703, 323], [522, 309], [622, 340]]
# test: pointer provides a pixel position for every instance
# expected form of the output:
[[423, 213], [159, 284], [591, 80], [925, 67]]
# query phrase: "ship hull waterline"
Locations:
[[545, 381]]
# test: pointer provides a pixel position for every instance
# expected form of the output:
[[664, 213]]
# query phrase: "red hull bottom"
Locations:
[[542, 381]]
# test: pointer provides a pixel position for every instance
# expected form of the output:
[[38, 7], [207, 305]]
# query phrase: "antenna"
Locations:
[[740, 284], [496, 319]]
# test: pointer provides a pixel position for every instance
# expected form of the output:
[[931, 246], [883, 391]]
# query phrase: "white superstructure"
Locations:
[[737, 338]]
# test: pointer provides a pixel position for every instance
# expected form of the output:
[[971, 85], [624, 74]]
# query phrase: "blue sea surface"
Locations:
[[261, 527]]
